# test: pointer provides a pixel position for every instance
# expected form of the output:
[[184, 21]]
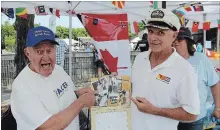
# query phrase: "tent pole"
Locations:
[[204, 35], [70, 46], [218, 40]]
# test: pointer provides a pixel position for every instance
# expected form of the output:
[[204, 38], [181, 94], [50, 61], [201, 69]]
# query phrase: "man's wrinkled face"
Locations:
[[42, 58], [160, 39]]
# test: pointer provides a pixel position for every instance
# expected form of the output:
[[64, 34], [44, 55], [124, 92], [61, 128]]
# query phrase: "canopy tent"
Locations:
[[136, 10]]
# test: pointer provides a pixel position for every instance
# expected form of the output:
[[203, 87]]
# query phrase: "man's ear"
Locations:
[[26, 52]]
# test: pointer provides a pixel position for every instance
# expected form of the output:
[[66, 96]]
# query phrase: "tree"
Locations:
[[22, 26]]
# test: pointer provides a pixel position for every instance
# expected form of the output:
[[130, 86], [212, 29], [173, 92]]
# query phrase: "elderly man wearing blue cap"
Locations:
[[43, 93], [164, 85]]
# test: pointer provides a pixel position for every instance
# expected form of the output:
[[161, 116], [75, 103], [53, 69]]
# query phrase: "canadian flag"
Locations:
[[110, 31]]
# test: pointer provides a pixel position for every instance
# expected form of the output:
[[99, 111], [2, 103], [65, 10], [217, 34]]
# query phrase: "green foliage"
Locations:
[[140, 28], [9, 33], [36, 24], [10, 43]]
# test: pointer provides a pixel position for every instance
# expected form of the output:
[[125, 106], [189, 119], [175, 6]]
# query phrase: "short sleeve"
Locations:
[[70, 81], [27, 108], [212, 76], [188, 95]]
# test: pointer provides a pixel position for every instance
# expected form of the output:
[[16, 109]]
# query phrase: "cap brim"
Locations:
[[187, 37], [167, 25], [156, 26], [51, 41]]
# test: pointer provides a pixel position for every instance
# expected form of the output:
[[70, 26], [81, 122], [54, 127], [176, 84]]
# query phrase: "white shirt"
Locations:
[[35, 98], [176, 87]]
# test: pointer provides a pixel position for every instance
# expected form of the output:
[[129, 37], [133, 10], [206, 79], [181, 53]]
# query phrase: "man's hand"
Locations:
[[84, 90], [144, 106], [87, 99], [216, 113]]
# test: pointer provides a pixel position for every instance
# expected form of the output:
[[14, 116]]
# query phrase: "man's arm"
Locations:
[[62, 119], [216, 94], [174, 113]]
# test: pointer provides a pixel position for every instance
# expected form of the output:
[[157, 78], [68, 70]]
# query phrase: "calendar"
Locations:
[[112, 91], [110, 118]]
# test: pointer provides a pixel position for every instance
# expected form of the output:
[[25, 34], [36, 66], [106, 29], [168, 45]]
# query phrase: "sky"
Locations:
[[44, 21]]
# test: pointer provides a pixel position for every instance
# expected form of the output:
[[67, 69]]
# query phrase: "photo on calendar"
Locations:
[[111, 91]]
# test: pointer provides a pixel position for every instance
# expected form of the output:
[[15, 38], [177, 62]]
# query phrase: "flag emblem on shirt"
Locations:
[[163, 78]]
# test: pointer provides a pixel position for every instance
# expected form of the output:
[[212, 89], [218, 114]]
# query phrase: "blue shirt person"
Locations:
[[207, 78], [199, 47]]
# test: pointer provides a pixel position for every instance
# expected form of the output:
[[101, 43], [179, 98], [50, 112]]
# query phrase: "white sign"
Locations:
[[208, 44]]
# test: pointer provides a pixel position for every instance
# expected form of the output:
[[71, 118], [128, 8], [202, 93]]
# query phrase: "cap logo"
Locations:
[[42, 32], [157, 14]]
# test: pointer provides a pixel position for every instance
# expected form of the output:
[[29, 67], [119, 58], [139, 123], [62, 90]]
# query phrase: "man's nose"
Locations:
[[152, 37], [45, 56]]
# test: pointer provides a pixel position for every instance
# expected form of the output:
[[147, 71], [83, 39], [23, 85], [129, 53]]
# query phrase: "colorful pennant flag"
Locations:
[[8, 12], [180, 15], [71, 12], [158, 4], [21, 12], [40, 10], [187, 8], [186, 21], [198, 8], [206, 25], [218, 21], [55, 11], [134, 27], [119, 4], [195, 27]]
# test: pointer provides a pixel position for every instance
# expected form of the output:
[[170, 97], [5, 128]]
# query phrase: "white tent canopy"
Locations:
[[136, 11]]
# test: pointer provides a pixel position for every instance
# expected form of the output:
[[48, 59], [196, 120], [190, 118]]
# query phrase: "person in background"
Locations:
[[199, 47], [99, 63], [207, 78], [142, 44], [60, 51]]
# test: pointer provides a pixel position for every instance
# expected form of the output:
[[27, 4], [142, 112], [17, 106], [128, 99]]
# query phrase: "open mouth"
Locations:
[[47, 65]]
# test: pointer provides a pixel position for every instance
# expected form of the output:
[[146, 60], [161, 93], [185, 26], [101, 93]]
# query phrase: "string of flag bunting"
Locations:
[[194, 6], [23, 13]]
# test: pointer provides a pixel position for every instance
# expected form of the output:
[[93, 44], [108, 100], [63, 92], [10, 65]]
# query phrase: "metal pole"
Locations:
[[70, 46], [218, 40], [204, 35]]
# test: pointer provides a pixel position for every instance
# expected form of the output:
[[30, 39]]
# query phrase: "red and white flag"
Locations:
[[134, 27], [110, 31]]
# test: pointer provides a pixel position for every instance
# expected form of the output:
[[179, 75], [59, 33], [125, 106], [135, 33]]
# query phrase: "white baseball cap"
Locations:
[[163, 19]]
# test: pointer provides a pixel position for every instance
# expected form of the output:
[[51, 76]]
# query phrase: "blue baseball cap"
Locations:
[[39, 34]]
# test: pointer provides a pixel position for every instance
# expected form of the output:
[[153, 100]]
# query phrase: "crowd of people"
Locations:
[[170, 82]]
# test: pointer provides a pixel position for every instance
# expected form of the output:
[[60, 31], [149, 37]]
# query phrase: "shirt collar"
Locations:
[[167, 63]]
